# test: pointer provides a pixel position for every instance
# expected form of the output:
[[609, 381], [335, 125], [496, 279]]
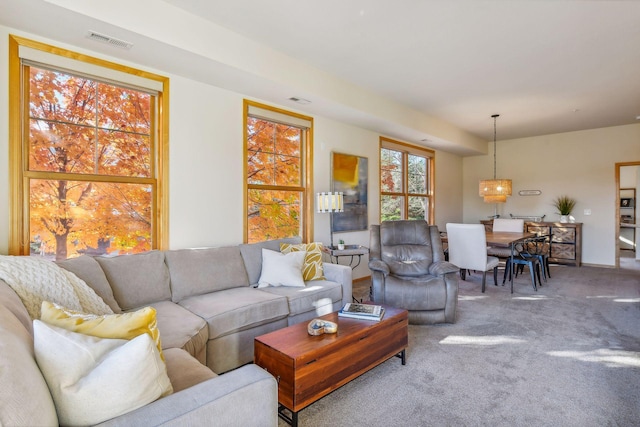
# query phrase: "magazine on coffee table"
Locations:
[[362, 311]]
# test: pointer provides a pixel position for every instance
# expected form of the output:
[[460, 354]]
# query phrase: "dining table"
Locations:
[[504, 239]]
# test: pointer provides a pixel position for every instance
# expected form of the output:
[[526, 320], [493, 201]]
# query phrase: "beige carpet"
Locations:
[[566, 355]]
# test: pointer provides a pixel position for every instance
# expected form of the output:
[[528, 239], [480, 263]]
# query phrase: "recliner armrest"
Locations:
[[380, 266], [440, 268]]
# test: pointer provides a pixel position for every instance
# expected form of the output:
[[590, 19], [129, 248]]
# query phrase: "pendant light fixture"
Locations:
[[495, 190]]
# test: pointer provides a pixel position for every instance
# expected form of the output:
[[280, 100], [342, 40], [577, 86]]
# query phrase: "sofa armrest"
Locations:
[[440, 268], [247, 396], [341, 274]]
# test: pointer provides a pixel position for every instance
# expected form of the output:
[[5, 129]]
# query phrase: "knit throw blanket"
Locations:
[[36, 280]]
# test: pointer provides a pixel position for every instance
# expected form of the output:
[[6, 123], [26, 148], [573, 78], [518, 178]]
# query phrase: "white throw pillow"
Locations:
[[95, 379], [280, 269]]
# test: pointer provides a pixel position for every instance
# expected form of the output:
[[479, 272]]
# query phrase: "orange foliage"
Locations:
[[88, 129], [273, 159]]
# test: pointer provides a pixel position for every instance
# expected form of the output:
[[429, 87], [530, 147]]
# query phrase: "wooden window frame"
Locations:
[[407, 149], [306, 170], [19, 235]]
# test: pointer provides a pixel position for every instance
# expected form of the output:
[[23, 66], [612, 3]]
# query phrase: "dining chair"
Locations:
[[509, 225], [468, 250], [539, 247], [525, 258]]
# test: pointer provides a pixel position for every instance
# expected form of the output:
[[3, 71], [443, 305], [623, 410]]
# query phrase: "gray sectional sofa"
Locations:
[[208, 311]]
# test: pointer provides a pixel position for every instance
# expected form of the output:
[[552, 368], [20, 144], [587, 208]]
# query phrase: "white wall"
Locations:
[[579, 164], [205, 165], [332, 136], [206, 170], [206, 157], [448, 191]]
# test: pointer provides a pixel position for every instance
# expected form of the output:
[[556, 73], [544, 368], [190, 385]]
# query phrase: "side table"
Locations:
[[351, 251], [348, 251]]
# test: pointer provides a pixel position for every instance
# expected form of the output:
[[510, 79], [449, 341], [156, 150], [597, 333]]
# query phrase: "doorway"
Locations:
[[627, 218]]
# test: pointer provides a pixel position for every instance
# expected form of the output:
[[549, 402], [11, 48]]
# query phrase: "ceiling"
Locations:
[[545, 66]]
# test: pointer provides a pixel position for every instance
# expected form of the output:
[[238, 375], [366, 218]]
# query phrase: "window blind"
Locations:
[[407, 148], [274, 116], [39, 58]]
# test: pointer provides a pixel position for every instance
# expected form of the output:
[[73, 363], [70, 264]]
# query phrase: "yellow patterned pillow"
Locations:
[[122, 326], [312, 268]]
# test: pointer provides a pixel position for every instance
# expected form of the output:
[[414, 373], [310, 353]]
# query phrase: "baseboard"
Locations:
[[597, 265]]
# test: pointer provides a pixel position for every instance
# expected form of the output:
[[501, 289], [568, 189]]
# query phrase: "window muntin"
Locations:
[[405, 182], [89, 161], [273, 153], [277, 174], [79, 125]]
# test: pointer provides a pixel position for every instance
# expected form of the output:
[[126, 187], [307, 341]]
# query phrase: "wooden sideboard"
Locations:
[[566, 239]]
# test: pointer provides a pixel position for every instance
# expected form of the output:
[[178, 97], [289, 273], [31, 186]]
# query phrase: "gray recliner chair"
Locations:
[[408, 270]]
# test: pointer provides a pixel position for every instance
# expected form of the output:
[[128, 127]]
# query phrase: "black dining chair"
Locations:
[[525, 258], [539, 247]]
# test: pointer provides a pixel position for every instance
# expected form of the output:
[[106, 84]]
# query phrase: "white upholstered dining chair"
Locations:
[[468, 250], [509, 225]]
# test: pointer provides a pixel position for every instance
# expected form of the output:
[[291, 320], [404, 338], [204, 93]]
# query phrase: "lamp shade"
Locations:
[[330, 202], [495, 187], [494, 190], [495, 199]]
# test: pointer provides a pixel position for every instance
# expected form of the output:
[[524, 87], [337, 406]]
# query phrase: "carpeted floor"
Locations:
[[566, 355]]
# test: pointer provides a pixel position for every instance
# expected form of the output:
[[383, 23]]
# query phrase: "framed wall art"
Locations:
[[349, 175], [626, 202]]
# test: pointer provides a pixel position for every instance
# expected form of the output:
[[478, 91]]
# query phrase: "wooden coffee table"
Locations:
[[310, 367]]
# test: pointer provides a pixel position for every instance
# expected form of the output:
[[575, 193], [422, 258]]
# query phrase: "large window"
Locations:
[[406, 181], [278, 173], [85, 159]]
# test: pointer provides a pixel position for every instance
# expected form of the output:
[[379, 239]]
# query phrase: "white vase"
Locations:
[[564, 218], [341, 246]]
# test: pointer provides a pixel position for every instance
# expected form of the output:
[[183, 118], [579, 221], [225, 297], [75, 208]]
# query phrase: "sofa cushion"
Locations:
[[236, 309], [94, 379], [313, 265], [137, 280], [25, 399], [124, 326], [280, 269], [199, 271], [252, 255], [10, 300], [185, 371], [316, 294], [88, 269], [180, 328]]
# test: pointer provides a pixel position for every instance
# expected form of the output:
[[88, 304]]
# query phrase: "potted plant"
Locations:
[[341, 245], [564, 205]]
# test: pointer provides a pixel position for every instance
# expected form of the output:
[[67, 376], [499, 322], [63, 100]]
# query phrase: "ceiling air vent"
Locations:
[[109, 40], [300, 100]]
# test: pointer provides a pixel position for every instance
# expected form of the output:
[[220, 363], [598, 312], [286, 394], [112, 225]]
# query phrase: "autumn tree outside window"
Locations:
[[88, 143], [278, 173], [406, 181]]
